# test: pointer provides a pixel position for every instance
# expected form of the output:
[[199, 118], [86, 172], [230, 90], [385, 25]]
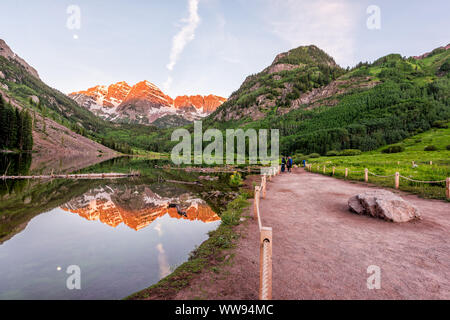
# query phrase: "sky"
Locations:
[[188, 47]]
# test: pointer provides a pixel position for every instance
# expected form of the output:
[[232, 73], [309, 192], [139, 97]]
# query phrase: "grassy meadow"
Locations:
[[387, 164]]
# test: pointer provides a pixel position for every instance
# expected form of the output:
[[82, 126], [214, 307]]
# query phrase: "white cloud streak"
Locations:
[[168, 83], [164, 267], [186, 34], [329, 24]]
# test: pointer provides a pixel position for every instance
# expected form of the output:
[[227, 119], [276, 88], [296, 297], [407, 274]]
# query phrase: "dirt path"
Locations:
[[322, 251]]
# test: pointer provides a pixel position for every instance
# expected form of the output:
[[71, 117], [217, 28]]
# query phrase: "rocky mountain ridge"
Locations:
[[143, 103], [137, 207], [294, 78], [5, 51]]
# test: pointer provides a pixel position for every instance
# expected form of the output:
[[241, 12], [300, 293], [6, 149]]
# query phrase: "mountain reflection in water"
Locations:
[[137, 206]]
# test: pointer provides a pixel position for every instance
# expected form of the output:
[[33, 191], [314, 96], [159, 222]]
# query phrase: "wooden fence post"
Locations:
[[265, 264], [346, 173], [397, 180], [324, 169], [256, 202], [334, 170], [366, 175], [447, 188], [264, 186]]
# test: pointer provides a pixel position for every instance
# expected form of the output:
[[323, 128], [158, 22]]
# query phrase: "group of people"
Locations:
[[286, 162]]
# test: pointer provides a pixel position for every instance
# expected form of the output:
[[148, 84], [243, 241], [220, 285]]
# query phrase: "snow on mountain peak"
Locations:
[[143, 103]]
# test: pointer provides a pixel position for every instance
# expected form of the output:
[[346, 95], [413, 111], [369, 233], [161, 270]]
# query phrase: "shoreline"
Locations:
[[212, 255]]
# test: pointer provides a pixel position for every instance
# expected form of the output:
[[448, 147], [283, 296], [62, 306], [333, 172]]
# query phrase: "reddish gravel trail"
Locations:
[[322, 251]]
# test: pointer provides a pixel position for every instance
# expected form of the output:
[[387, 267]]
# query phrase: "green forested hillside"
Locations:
[[316, 105], [400, 97], [274, 89], [430, 152], [55, 105]]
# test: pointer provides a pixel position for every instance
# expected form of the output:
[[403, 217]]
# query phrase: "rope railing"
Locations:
[[265, 242], [419, 181], [266, 277], [397, 176], [392, 175]]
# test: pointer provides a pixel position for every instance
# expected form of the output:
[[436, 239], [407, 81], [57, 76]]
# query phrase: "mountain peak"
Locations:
[[143, 103], [5, 51], [305, 55], [437, 50]]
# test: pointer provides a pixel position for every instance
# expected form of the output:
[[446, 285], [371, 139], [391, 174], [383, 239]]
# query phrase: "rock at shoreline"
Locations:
[[384, 205]]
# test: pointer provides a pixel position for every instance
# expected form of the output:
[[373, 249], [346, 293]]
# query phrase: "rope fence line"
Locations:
[[392, 175], [397, 176], [265, 239], [409, 179]]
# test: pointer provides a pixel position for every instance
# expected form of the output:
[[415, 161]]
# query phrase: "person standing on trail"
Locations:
[[283, 164], [289, 164]]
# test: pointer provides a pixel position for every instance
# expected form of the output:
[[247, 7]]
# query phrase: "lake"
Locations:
[[124, 235]]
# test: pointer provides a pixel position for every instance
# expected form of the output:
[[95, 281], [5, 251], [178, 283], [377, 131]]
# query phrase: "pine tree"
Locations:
[[27, 132], [20, 135], [12, 127]]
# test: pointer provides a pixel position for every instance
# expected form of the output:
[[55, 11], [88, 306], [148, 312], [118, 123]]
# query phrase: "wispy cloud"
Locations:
[[186, 34], [329, 24], [168, 83], [158, 228]]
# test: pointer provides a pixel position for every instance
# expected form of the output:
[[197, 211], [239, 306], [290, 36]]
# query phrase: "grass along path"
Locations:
[[383, 164], [211, 256]]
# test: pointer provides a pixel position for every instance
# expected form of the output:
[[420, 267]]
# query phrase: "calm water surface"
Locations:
[[125, 235]]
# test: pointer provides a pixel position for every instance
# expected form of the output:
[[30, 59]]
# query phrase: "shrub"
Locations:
[[393, 149], [332, 153], [440, 124], [448, 147], [314, 155], [298, 158], [430, 148], [445, 66], [350, 152], [231, 216], [236, 179]]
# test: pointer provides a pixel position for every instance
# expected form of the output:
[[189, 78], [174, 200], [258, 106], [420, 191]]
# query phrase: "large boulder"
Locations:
[[384, 205]]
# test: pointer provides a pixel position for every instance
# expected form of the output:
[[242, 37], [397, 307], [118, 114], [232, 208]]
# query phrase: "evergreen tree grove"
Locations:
[[16, 128]]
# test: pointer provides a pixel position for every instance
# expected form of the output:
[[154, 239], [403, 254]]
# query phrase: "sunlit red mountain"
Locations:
[[143, 103]]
